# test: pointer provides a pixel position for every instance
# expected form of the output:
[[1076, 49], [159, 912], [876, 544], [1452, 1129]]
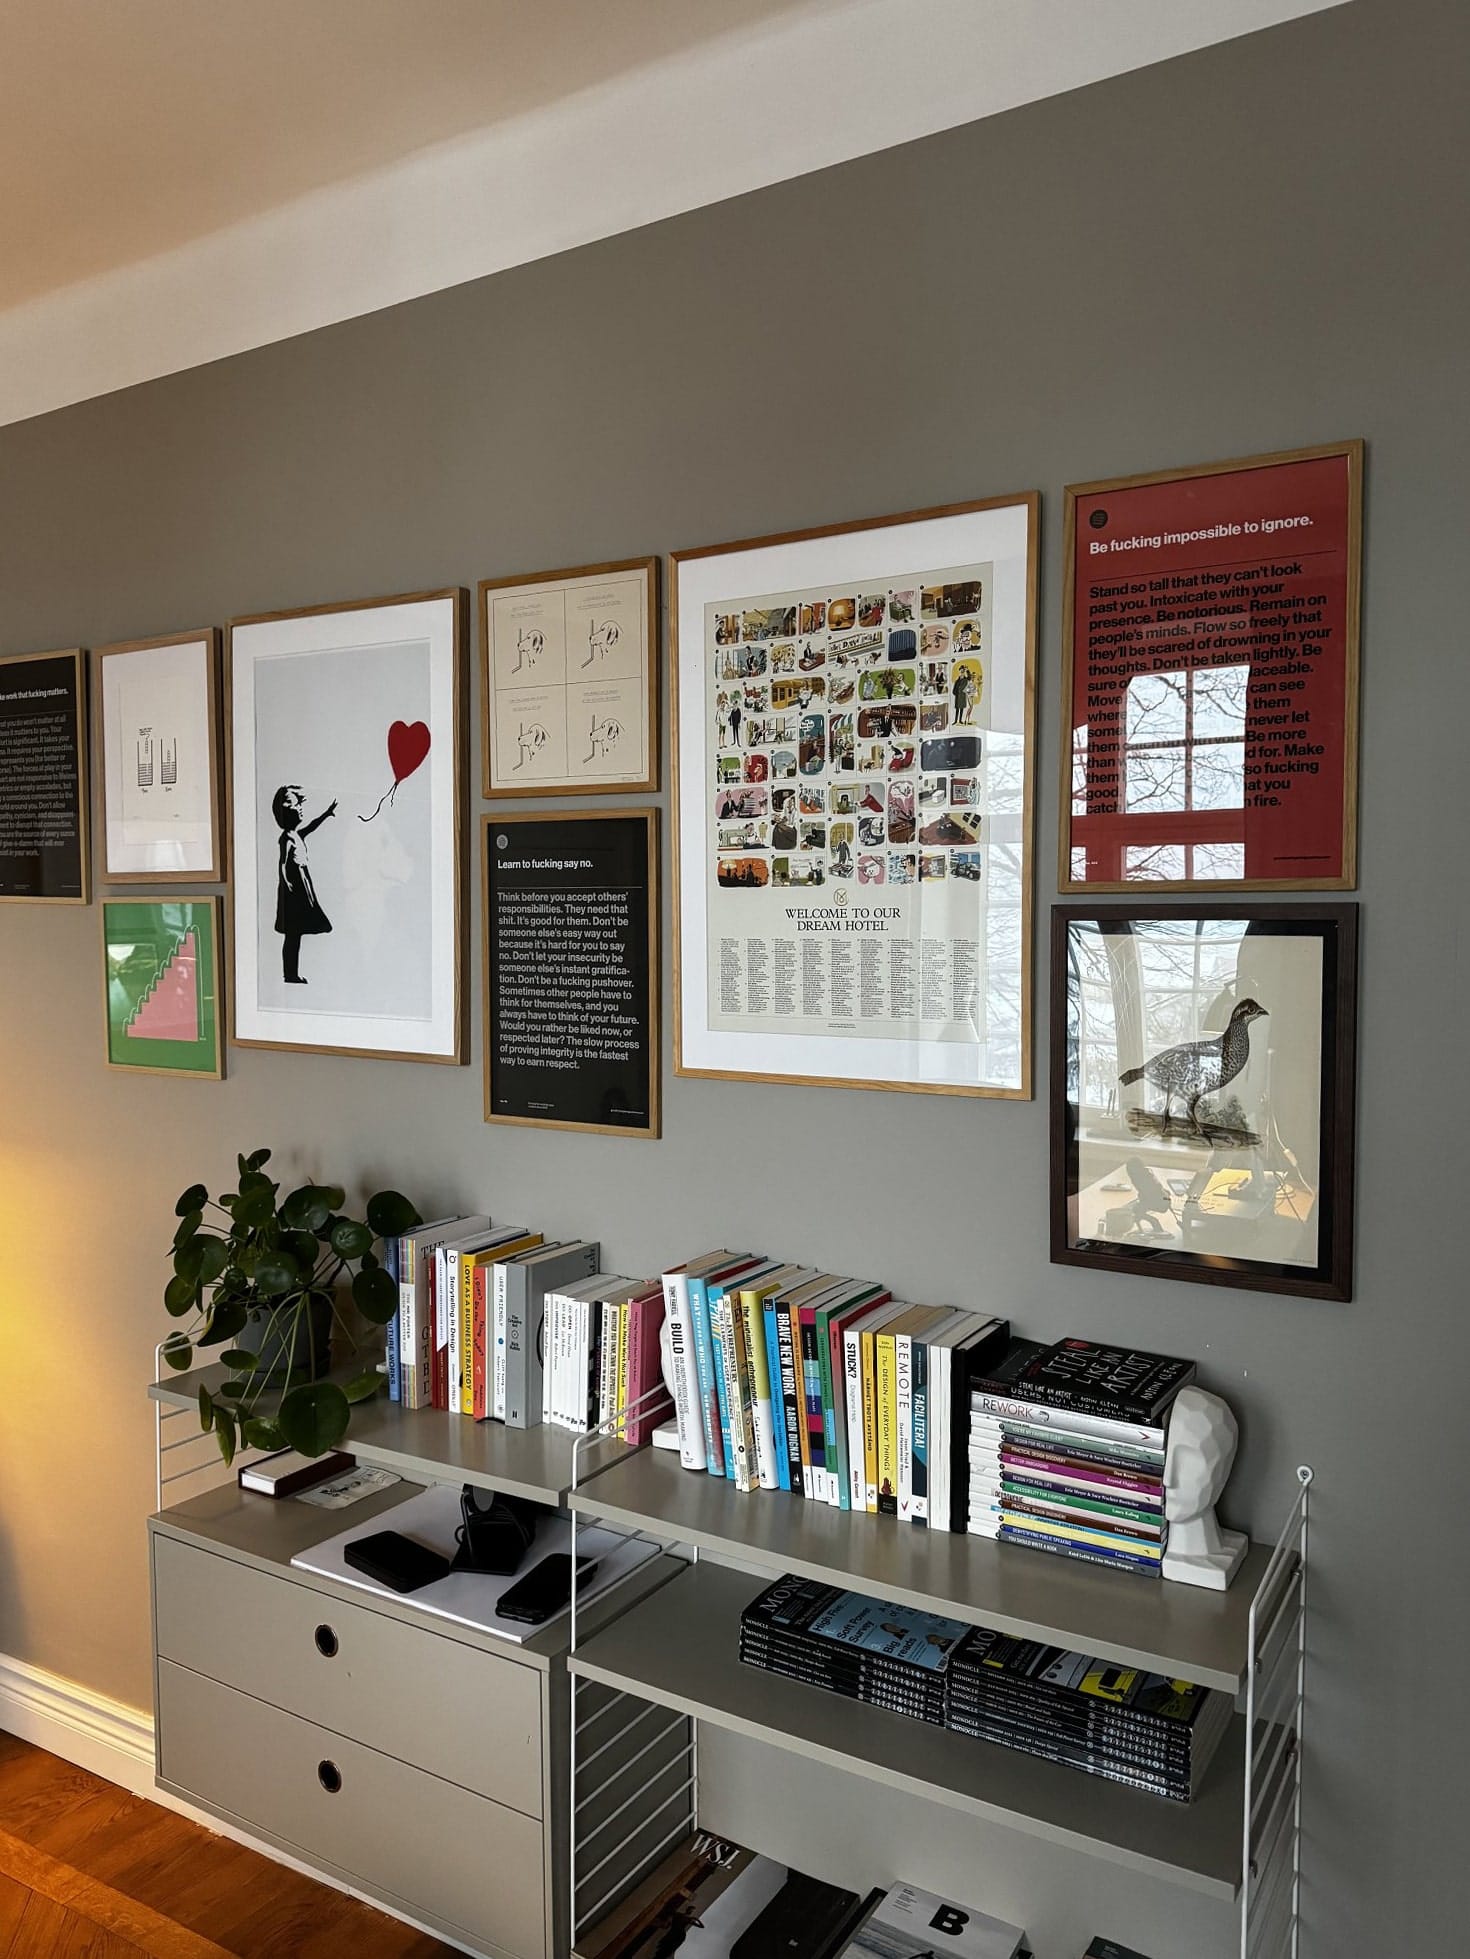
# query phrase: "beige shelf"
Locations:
[[428, 1443], [1166, 1628], [679, 1649]]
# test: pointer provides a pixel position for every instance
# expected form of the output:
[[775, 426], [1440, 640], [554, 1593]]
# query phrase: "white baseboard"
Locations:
[[112, 1740]]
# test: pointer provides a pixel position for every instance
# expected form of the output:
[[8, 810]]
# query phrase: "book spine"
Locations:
[[763, 1419], [919, 1430], [738, 1386], [903, 1424], [407, 1321], [852, 1395], [685, 1371], [1076, 1448], [424, 1355], [937, 1401], [483, 1275], [777, 1397], [1089, 1553], [522, 1348], [790, 1405], [439, 1378], [887, 1370], [1042, 1497], [1003, 1407], [622, 1389], [822, 1322], [812, 1400], [497, 1336], [716, 1315], [392, 1344], [704, 1370], [1126, 1543], [803, 1432], [870, 1423], [467, 1270]]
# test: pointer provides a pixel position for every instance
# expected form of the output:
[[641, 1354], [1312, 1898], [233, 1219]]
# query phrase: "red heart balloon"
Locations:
[[408, 744]]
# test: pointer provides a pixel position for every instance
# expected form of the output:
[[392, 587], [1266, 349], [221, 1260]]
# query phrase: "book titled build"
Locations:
[[527, 1282]]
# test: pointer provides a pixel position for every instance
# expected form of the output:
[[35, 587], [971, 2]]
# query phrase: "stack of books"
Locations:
[[710, 1898], [791, 1379], [602, 1357], [1138, 1728], [906, 1923], [1067, 1451], [1101, 1948], [866, 1648]]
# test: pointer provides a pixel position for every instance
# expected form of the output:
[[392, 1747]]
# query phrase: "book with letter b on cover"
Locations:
[[912, 1924]]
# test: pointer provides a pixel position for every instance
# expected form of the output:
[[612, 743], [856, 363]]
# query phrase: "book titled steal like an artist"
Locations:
[[1112, 1381]]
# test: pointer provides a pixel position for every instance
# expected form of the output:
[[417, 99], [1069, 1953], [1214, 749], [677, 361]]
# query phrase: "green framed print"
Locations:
[[160, 961]]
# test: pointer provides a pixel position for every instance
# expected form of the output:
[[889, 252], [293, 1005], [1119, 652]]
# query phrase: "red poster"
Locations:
[[1212, 677]]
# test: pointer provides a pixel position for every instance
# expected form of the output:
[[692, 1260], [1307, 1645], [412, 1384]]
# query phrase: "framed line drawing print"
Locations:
[[1210, 660], [1203, 1069], [45, 846], [569, 681], [347, 739], [161, 969], [853, 757], [158, 740], [572, 970]]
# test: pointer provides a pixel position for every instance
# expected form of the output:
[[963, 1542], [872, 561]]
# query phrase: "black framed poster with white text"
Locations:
[[44, 854], [571, 970]]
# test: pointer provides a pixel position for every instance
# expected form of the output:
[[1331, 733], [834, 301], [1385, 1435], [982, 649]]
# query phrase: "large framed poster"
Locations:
[[571, 912], [45, 854], [158, 739], [161, 966], [1203, 1070], [347, 752], [853, 732], [569, 681], [1210, 636]]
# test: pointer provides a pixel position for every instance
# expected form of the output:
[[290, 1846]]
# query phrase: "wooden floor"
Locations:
[[89, 1872]]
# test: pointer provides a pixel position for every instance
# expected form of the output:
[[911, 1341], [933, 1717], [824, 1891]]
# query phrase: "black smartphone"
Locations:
[[395, 1561], [545, 1588]]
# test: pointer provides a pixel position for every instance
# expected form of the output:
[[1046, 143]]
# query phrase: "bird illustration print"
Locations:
[[1196, 1069]]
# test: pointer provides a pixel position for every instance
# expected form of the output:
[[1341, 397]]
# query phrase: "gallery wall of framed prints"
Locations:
[[1210, 676], [1203, 1072], [45, 841], [853, 736], [347, 767], [569, 681], [158, 741]]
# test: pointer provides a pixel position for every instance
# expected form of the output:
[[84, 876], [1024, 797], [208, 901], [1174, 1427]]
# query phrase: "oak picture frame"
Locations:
[[213, 871]]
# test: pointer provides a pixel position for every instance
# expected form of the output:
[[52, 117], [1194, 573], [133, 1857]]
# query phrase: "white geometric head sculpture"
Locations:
[[1197, 1462]]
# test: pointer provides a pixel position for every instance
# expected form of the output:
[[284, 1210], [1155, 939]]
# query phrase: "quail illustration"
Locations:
[[1196, 1069]]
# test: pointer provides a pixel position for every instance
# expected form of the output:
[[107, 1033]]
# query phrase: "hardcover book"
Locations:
[[913, 1924]]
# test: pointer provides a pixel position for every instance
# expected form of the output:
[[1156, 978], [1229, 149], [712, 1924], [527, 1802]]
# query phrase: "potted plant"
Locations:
[[261, 1283]]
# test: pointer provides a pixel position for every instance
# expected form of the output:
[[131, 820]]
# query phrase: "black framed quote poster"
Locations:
[[572, 970], [1210, 647], [569, 680], [1203, 1061], [347, 740], [158, 739], [44, 852], [853, 754]]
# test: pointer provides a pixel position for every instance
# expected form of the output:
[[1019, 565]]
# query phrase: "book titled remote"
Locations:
[[286, 1472]]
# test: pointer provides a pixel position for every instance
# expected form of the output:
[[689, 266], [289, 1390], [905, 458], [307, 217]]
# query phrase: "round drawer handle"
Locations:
[[326, 1642], [329, 1776]]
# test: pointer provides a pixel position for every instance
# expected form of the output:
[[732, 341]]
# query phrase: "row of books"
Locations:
[[714, 1899], [499, 1324], [1066, 1451], [1152, 1733], [789, 1378]]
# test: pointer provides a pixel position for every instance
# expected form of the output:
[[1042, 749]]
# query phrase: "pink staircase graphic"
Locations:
[[169, 1010]]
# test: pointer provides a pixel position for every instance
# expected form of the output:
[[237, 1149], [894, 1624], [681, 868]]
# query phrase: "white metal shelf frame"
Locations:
[[1274, 1696]]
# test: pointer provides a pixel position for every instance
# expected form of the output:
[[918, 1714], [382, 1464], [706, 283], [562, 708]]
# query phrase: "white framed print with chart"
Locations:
[[347, 739], [853, 774], [569, 681], [158, 735]]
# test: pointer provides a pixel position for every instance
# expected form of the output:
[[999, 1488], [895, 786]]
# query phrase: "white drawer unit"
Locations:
[[420, 1764]]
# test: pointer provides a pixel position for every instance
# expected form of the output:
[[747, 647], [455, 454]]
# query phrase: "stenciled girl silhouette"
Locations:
[[298, 914]]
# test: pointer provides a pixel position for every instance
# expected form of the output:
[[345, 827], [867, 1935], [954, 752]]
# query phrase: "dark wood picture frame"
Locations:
[[1352, 453], [1030, 500], [84, 780], [214, 872], [648, 783], [650, 814], [1336, 925], [459, 595]]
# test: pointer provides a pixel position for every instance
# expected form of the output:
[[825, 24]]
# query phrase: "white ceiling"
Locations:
[[184, 179]]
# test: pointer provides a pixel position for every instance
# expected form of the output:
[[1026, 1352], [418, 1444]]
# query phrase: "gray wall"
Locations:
[[1256, 247]]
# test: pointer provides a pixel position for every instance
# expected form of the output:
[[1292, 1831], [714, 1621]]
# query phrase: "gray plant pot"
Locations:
[[292, 1347]]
